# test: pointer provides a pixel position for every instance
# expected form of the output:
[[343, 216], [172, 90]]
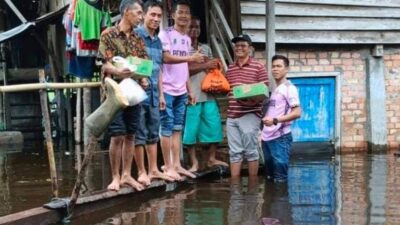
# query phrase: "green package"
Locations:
[[144, 67], [141, 67], [250, 90]]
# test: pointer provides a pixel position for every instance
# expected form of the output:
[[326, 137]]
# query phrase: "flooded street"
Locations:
[[346, 189]]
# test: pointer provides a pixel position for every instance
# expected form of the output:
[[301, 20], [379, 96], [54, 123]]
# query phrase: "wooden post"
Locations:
[[81, 173], [69, 113], [78, 118], [3, 70], [270, 39], [48, 138]]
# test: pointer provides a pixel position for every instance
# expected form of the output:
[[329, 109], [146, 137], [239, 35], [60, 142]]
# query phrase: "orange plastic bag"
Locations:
[[215, 82]]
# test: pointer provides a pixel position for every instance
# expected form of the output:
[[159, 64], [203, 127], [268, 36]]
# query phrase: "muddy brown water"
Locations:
[[322, 189]]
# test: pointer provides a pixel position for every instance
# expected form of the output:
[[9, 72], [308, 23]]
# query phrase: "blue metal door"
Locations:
[[317, 99]]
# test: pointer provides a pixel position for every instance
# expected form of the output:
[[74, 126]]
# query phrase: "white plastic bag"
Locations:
[[132, 91], [121, 62]]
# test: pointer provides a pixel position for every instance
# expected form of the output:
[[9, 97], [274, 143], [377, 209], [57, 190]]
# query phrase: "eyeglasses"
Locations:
[[241, 46]]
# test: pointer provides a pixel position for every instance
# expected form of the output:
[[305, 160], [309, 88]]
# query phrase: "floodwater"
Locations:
[[322, 189]]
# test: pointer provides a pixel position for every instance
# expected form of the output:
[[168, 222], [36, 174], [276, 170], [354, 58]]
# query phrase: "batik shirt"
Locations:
[[114, 42]]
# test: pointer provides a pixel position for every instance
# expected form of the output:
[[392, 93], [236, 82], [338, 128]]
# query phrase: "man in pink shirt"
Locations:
[[283, 108], [176, 88]]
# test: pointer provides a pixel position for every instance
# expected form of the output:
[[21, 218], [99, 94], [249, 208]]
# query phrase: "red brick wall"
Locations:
[[351, 64], [392, 78]]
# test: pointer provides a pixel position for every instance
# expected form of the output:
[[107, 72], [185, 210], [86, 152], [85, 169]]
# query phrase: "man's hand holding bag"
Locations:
[[215, 82]]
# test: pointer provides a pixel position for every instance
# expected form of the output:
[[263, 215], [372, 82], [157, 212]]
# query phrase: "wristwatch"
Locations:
[[275, 121]]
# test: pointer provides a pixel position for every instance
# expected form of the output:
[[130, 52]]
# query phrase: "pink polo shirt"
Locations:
[[175, 76], [282, 100]]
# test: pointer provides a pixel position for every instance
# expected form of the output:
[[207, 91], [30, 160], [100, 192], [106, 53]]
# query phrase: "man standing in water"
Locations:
[[121, 40], [283, 108], [203, 121], [149, 123], [176, 87], [244, 116]]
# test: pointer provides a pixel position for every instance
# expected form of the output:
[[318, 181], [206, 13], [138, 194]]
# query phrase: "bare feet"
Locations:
[[172, 173], [144, 179], [195, 167], [127, 179], [159, 175], [114, 186], [185, 172], [215, 162]]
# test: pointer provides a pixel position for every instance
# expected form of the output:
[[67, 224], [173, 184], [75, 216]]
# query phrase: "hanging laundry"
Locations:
[[89, 20], [81, 66], [98, 4]]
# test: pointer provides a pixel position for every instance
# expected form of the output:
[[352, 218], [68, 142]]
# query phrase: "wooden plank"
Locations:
[[328, 37], [319, 23], [270, 23], [10, 138], [292, 9], [32, 216], [25, 111], [21, 74], [370, 3]]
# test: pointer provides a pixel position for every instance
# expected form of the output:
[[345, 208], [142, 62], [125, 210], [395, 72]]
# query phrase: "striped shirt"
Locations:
[[249, 73]]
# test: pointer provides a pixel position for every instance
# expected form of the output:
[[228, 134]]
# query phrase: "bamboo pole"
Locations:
[[35, 86], [87, 109], [78, 117], [49, 141]]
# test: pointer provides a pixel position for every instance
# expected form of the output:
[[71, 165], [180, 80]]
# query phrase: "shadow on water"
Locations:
[[321, 189], [25, 178]]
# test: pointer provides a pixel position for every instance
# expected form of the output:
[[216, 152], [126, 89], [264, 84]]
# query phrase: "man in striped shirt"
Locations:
[[244, 116]]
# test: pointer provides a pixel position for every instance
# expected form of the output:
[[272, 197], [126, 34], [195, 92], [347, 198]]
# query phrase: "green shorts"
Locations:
[[202, 123]]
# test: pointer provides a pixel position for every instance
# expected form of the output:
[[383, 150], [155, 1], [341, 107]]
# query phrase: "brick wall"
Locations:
[[351, 63], [392, 79]]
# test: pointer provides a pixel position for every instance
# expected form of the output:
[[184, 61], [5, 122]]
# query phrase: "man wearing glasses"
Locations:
[[244, 116]]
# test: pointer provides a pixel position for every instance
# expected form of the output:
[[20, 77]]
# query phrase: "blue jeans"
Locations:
[[125, 121], [149, 125], [276, 156], [173, 117]]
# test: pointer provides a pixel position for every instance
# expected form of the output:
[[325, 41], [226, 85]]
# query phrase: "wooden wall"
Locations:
[[325, 22], [24, 114]]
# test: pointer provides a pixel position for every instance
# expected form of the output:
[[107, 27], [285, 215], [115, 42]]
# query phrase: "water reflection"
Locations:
[[370, 189], [348, 189], [245, 203], [312, 193], [236, 201], [165, 210]]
